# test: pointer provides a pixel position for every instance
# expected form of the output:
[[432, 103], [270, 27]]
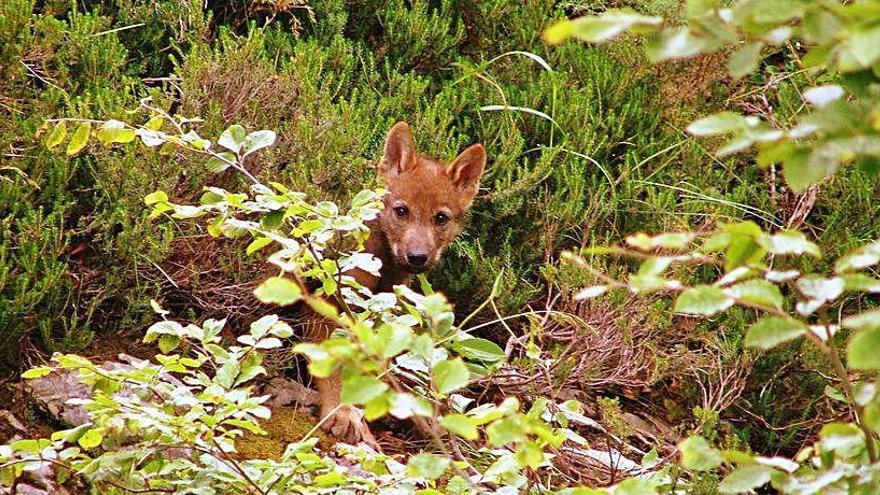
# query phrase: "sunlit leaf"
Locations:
[[451, 375], [361, 389], [861, 351], [705, 300], [745, 478], [257, 140], [697, 454], [79, 139], [232, 138], [37, 372], [278, 290], [59, 132], [720, 123], [771, 331], [90, 439], [428, 466], [461, 425]]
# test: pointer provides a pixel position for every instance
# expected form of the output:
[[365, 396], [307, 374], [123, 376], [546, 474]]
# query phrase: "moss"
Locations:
[[286, 425]]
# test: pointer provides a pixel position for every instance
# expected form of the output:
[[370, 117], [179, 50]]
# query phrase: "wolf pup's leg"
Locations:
[[344, 422]]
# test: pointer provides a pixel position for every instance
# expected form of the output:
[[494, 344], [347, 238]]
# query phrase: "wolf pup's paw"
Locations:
[[348, 425]]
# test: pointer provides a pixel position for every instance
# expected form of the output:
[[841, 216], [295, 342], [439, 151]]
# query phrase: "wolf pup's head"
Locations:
[[426, 199]]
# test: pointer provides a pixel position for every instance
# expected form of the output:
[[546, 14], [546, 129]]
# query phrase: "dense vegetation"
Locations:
[[586, 143]]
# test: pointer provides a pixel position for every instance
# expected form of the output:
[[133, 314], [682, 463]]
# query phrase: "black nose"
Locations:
[[417, 259]]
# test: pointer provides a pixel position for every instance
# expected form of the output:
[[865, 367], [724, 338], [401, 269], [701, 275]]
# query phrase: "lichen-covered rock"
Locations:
[[286, 392], [54, 391]]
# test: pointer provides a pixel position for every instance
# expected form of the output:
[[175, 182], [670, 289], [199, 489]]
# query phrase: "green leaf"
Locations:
[[835, 394], [559, 32], [590, 292], [864, 257], [757, 291], [669, 240], [278, 290], [698, 455], [114, 131], [429, 466], [257, 140], [450, 375], [168, 343], [862, 350], [820, 288], [631, 486], [742, 246], [156, 197], [704, 300], [789, 242], [405, 405], [720, 123], [395, 339], [332, 478], [232, 138], [227, 374], [864, 45], [745, 478], [676, 43], [504, 431], [461, 425], [257, 244], [221, 161], [90, 439], [844, 438], [800, 173], [745, 60], [529, 455], [479, 350], [37, 372], [59, 132], [820, 96], [596, 29], [247, 425], [155, 123], [865, 320], [79, 139], [771, 331], [377, 407], [29, 445], [361, 389]]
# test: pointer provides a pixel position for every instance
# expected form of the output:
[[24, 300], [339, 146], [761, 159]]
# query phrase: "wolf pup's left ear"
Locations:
[[467, 169]]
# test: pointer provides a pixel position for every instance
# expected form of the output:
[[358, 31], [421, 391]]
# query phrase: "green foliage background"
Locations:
[[78, 257]]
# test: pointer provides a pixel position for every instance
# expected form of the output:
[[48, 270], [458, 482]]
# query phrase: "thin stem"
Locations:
[[857, 410], [231, 462], [430, 427]]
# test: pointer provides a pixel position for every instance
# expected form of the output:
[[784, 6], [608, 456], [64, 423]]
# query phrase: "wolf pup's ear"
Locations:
[[400, 151], [467, 169]]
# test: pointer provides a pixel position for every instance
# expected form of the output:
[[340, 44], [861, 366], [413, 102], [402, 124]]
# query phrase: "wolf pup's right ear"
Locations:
[[400, 151]]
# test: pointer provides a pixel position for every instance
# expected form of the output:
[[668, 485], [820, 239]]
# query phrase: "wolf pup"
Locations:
[[425, 205]]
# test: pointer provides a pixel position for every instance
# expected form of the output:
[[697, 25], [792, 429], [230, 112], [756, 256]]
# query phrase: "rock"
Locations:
[[40, 481], [10, 420], [55, 389], [285, 391]]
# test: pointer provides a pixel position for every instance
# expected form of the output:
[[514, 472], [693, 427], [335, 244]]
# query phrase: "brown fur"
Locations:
[[425, 205]]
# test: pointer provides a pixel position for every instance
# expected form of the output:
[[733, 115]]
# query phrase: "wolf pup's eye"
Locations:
[[441, 218], [400, 211]]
